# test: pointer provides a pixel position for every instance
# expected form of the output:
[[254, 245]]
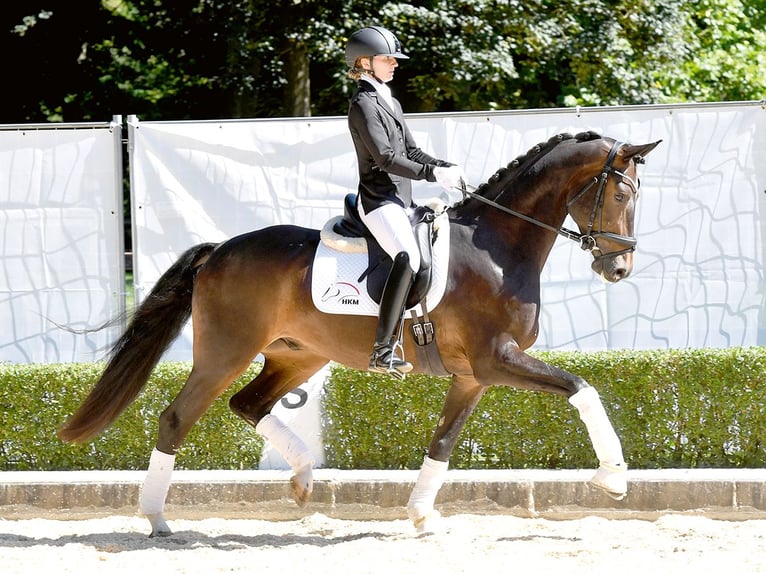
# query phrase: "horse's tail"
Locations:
[[155, 324]]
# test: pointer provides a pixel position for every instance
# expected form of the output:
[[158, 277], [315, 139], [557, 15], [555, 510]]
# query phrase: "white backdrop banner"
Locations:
[[699, 277], [61, 241]]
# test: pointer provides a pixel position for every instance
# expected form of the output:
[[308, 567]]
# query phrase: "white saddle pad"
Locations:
[[335, 287]]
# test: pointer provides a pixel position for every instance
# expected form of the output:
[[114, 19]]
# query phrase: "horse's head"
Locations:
[[604, 208]]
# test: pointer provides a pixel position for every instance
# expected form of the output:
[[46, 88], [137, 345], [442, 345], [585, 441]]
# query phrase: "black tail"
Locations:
[[155, 325]]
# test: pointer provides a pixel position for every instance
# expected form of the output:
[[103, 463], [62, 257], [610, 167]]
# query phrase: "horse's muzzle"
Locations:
[[613, 267]]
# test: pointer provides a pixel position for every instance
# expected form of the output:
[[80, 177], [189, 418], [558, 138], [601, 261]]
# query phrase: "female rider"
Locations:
[[388, 160]]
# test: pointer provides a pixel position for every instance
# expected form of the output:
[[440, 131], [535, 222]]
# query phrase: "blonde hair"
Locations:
[[358, 70]]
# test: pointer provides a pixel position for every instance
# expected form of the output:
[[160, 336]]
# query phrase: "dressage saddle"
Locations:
[[379, 263]]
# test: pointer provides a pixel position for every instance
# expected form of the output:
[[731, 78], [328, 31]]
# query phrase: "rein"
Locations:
[[587, 241]]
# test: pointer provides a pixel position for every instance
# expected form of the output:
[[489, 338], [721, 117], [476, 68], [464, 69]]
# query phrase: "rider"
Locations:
[[388, 160]]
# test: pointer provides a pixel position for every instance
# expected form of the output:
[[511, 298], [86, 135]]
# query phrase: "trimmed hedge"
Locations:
[[36, 399], [672, 409]]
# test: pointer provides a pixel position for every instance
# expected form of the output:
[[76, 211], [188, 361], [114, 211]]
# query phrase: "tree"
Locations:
[[252, 58], [533, 54], [167, 60], [727, 54], [45, 46]]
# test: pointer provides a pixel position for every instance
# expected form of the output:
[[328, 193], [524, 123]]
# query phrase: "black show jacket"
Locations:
[[386, 152]]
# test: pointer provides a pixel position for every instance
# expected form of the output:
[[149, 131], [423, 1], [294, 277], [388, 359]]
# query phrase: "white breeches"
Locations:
[[390, 225]]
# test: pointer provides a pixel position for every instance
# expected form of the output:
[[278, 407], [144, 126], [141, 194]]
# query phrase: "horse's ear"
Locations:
[[638, 152]]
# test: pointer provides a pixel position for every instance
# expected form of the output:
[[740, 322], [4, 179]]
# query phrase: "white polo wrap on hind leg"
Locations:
[[154, 490], [605, 441], [286, 442], [420, 507]]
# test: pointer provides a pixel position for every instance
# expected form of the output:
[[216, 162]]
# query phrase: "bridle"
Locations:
[[587, 240]]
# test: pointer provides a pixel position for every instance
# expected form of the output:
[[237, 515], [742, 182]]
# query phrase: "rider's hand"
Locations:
[[450, 177]]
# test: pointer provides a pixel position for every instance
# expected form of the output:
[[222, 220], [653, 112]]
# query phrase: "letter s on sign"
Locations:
[[303, 398]]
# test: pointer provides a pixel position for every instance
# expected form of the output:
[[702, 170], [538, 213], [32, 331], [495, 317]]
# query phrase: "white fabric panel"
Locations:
[[698, 279], [61, 225], [207, 181]]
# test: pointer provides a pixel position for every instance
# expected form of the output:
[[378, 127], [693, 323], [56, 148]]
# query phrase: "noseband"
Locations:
[[587, 240]]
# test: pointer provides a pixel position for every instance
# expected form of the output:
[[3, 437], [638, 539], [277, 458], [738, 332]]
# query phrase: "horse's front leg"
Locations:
[[513, 367], [462, 398]]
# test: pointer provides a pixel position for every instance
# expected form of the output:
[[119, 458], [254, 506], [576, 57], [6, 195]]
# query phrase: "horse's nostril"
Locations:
[[621, 273]]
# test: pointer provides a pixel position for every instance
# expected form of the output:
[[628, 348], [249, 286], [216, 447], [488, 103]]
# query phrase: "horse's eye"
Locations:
[[619, 197]]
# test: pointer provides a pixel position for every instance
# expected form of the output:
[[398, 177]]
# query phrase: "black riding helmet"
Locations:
[[372, 41]]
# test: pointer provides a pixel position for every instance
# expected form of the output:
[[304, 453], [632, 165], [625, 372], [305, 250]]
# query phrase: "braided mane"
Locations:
[[531, 156]]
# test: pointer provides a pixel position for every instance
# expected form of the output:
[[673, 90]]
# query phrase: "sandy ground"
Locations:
[[318, 544]]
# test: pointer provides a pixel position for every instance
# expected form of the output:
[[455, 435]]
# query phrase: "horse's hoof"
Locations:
[[431, 523], [302, 485], [160, 528], [611, 479]]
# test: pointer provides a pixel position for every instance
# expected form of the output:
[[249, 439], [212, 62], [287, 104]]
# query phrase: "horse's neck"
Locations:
[[509, 239]]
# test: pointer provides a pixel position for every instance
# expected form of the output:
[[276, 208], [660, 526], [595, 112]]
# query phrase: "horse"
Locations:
[[251, 294]]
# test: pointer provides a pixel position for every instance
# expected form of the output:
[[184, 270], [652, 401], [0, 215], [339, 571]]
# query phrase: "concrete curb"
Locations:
[[732, 494]]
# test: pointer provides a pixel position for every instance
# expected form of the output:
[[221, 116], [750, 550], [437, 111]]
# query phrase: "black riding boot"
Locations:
[[383, 358]]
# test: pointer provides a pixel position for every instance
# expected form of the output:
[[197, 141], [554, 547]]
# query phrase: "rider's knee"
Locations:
[[412, 259], [404, 258]]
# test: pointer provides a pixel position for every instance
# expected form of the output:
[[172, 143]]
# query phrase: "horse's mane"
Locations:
[[529, 158]]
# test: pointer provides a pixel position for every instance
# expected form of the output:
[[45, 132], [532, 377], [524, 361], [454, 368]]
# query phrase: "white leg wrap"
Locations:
[[287, 443], [420, 507], [157, 482], [602, 435], [611, 476], [295, 452]]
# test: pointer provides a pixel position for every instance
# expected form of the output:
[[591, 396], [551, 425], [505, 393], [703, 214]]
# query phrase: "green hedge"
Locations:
[[36, 399], [672, 409]]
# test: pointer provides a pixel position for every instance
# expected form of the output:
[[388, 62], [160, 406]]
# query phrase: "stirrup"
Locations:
[[384, 360]]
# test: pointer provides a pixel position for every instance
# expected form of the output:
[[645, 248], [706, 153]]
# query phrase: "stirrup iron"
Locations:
[[384, 359]]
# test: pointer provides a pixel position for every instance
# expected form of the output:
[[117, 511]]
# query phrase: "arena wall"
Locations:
[[698, 280]]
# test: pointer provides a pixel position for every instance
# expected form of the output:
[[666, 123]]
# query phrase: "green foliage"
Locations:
[[728, 46], [687, 408], [461, 57], [472, 55], [672, 409], [163, 60], [375, 421], [36, 399]]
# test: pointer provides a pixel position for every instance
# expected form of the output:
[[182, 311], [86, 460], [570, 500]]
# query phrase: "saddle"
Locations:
[[422, 221], [379, 265]]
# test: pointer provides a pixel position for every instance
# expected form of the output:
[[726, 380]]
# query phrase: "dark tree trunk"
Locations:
[[298, 90]]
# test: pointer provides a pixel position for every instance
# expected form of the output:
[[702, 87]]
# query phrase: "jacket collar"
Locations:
[[368, 88]]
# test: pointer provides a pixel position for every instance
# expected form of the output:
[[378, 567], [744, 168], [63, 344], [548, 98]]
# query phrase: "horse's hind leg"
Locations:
[[282, 372], [206, 382]]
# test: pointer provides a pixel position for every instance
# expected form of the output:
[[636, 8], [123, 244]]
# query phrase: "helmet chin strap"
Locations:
[[371, 72]]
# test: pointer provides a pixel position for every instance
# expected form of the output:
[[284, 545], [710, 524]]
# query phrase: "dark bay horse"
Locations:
[[251, 294]]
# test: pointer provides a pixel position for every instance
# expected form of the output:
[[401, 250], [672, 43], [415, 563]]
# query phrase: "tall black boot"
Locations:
[[383, 358]]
